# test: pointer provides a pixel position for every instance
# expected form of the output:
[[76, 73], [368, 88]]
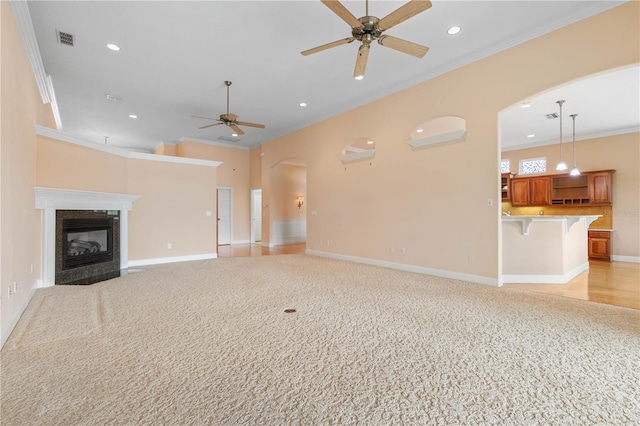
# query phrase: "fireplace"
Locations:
[[87, 246], [86, 242]]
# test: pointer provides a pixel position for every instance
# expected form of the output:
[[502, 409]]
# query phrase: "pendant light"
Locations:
[[561, 165], [574, 171]]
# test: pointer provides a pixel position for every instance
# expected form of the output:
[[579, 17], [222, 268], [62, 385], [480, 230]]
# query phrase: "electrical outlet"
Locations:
[[31, 268], [404, 250], [328, 243], [9, 293], [489, 202], [15, 287], [168, 246]]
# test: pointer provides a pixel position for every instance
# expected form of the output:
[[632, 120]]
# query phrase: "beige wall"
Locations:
[[621, 153], [22, 109], [68, 166], [172, 209], [433, 202], [174, 198], [233, 173]]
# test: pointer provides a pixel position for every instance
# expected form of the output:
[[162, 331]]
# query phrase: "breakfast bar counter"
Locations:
[[544, 249]]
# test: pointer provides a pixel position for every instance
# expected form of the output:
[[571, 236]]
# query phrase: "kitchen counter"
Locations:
[[544, 249], [525, 221]]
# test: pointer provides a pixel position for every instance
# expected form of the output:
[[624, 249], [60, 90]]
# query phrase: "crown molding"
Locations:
[[63, 137], [224, 145], [24, 23], [635, 129]]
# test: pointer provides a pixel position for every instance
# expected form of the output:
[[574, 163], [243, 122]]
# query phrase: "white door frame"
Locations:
[[255, 217], [230, 189]]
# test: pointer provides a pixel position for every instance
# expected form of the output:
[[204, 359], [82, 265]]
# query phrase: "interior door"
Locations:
[[256, 215], [224, 216]]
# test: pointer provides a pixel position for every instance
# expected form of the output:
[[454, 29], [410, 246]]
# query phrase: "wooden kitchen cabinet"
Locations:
[[520, 192], [600, 245], [600, 187], [540, 191], [505, 186], [532, 191]]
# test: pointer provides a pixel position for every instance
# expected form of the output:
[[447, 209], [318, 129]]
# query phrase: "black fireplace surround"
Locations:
[[87, 246]]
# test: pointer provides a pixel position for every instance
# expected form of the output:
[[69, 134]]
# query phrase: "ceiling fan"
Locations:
[[230, 120], [370, 28]]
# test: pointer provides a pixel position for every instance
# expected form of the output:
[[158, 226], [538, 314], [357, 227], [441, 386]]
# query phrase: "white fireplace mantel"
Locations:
[[51, 199]]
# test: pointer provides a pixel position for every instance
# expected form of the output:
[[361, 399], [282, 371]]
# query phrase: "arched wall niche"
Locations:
[[449, 128], [362, 148]]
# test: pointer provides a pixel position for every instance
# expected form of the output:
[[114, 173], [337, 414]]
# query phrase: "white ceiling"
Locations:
[[176, 55]]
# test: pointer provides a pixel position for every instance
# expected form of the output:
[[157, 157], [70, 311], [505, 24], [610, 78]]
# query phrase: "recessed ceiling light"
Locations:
[[531, 136], [359, 77], [525, 104], [133, 116], [419, 131], [234, 134], [303, 104], [453, 30], [370, 142], [113, 46]]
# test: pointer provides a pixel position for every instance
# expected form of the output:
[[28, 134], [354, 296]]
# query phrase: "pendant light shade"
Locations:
[[574, 171], [561, 165]]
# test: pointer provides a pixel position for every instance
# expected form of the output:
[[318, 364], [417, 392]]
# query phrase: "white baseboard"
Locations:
[[16, 316], [410, 268], [161, 260], [632, 259], [545, 279]]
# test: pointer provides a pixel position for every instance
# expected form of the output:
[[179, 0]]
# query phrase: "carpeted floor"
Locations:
[[209, 343]]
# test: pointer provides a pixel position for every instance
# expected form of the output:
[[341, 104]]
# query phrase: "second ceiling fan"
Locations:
[[229, 119], [370, 28]]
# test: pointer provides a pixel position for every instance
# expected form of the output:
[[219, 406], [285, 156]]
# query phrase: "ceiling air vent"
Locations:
[[228, 139], [552, 115], [64, 38]]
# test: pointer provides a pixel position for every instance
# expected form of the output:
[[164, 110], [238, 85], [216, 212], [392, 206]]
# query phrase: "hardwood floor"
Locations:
[[247, 250], [614, 283]]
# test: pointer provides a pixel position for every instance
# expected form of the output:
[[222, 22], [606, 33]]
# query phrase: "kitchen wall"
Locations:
[[621, 153]]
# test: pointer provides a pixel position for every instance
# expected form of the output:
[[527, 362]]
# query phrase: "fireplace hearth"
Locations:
[[87, 246]]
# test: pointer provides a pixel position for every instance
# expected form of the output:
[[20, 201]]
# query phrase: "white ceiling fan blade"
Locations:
[[209, 125], [327, 46], [403, 46], [236, 129], [403, 13], [244, 123], [361, 61], [343, 13]]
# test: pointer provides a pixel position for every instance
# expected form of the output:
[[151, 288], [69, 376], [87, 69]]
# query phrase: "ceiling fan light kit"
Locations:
[[370, 28], [230, 120]]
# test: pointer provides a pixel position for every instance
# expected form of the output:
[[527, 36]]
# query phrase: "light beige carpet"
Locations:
[[209, 343]]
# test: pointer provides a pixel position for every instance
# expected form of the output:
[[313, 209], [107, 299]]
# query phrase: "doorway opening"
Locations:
[[225, 216], [256, 215]]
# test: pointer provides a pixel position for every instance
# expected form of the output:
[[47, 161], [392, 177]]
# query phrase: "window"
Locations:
[[504, 166], [532, 166]]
